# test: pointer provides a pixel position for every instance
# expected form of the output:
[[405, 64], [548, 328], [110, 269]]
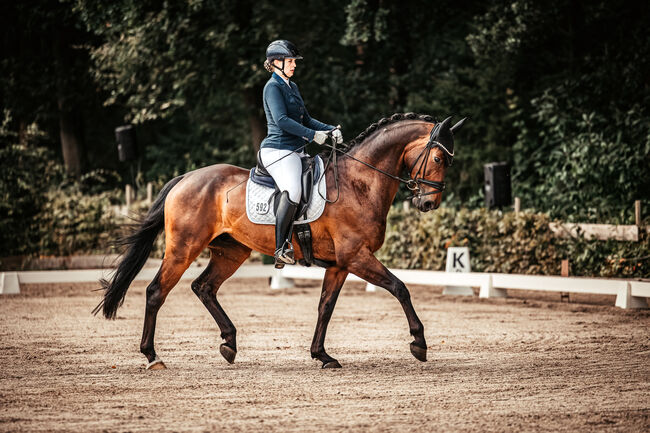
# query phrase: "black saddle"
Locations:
[[310, 176]]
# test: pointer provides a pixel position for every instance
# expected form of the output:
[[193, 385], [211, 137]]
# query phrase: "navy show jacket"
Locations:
[[288, 122]]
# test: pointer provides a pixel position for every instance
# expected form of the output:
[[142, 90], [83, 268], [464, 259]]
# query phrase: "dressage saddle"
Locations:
[[310, 177]]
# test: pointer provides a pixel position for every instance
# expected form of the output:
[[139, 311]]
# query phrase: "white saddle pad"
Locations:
[[259, 204]]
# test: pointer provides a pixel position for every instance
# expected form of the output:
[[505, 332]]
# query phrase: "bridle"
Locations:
[[413, 182]]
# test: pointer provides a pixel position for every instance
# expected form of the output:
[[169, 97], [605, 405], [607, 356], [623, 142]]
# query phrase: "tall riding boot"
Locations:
[[284, 220]]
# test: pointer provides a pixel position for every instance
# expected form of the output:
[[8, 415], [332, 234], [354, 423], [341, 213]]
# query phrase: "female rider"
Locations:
[[290, 128]]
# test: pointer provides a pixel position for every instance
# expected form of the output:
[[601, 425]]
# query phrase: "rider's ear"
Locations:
[[459, 125]]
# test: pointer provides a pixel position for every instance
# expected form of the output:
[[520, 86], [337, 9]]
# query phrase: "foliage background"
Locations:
[[559, 89]]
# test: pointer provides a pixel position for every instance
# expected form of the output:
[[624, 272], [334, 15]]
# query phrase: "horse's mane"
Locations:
[[388, 121]]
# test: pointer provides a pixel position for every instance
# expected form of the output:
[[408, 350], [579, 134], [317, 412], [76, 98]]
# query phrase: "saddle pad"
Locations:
[[259, 204]]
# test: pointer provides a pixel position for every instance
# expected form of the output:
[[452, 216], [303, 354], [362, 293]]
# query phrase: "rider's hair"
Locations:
[[268, 66], [388, 120]]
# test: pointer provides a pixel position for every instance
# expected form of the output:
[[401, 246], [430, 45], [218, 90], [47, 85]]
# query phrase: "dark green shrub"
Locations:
[[26, 175], [504, 242]]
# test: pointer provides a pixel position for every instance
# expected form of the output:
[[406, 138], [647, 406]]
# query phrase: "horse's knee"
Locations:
[[400, 291]]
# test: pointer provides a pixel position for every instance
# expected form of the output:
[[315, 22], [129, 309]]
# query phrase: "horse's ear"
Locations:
[[445, 123], [459, 125]]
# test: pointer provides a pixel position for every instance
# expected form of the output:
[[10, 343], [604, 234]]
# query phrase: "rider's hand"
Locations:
[[337, 135], [320, 136]]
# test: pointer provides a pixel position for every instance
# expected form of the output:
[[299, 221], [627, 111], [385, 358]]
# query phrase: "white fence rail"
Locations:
[[629, 293]]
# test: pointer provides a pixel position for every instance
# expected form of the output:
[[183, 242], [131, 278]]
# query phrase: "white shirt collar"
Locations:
[[286, 80]]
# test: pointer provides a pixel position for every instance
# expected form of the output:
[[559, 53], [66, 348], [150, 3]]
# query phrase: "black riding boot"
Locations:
[[284, 219]]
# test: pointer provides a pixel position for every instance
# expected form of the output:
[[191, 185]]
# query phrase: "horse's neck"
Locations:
[[385, 149]]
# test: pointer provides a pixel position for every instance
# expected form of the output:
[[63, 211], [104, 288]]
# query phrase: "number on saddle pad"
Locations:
[[262, 207]]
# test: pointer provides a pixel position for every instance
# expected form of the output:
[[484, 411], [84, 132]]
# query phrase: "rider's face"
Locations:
[[289, 66]]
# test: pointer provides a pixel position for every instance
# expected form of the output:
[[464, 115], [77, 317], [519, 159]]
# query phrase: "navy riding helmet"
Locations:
[[282, 49]]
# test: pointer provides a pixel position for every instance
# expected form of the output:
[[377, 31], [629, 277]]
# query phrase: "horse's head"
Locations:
[[427, 162]]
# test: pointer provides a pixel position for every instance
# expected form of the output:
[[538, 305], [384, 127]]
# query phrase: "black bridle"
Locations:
[[413, 182]]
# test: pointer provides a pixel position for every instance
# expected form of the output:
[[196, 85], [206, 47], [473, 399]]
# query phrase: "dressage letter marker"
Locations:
[[458, 261]]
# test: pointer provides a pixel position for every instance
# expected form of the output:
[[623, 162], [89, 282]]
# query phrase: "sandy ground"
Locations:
[[532, 364]]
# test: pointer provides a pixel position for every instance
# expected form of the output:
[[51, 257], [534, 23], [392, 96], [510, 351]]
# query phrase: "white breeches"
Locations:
[[286, 172]]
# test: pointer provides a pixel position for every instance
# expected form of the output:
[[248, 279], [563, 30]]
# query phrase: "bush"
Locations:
[[26, 175], [42, 212], [71, 222], [505, 243]]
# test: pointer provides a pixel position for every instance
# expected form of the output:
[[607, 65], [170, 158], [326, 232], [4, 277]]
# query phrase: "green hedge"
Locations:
[[504, 242], [44, 213]]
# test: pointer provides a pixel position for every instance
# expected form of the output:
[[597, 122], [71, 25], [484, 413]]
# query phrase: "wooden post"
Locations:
[[149, 192], [129, 195], [565, 273], [637, 213], [517, 204], [565, 268]]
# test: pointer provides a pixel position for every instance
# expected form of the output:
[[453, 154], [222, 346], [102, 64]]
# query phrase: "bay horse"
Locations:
[[196, 212]]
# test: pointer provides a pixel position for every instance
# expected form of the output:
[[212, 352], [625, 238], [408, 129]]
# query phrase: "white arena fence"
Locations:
[[629, 293]]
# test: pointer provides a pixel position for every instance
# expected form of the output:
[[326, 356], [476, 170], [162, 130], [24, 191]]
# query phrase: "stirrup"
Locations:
[[284, 256]]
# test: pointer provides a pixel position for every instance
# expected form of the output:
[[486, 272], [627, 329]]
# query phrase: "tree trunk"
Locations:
[[22, 133], [70, 143], [256, 121], [69, 115]]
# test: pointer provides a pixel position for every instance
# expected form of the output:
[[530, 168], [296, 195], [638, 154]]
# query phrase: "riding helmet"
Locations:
[[282, 49]]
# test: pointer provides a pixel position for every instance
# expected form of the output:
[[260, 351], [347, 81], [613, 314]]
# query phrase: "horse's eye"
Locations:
[[436, 159]]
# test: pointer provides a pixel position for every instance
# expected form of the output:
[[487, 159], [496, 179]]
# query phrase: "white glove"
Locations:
[[338, 136], [320, 136]]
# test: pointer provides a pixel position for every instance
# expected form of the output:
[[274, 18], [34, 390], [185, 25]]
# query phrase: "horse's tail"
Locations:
[[138, 247]]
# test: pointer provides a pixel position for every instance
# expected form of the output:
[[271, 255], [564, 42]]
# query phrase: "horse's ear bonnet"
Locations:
[[442, 137]]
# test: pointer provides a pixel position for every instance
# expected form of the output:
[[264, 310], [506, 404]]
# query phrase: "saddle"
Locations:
[[310, 176], [309, 209]]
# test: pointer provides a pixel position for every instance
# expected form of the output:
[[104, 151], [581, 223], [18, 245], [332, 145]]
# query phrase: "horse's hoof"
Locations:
[[331, 364], [228, 353], [156, 364], [419, 353]]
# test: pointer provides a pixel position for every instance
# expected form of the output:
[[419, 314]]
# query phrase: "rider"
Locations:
[[290, 128]]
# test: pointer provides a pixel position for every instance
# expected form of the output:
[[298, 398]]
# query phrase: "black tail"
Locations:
[[139, 244]]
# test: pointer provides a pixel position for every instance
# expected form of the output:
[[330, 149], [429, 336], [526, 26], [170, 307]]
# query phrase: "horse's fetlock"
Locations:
[[147, 350]]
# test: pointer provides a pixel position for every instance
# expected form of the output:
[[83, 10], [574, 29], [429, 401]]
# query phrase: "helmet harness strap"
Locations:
[[278, 68]]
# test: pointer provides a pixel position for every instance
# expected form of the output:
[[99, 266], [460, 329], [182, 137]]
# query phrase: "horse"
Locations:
[[198, 210]]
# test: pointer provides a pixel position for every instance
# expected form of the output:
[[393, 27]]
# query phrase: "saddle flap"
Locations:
[[261, 191]]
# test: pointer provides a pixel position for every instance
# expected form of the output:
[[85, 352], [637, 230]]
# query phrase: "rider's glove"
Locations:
[[320, 136], [338, 136]]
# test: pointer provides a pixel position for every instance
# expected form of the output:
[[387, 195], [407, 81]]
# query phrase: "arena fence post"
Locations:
[[489, 291], [625, 299], [9, 283], [280, 282]]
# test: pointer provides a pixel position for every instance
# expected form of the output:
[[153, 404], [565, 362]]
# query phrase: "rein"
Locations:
[[412, 183]]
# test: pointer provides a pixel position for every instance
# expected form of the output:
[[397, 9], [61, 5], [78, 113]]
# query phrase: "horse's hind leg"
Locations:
[[170, 272], [226, 256], [332, 283]]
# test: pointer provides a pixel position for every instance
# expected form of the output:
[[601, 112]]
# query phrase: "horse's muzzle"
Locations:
[[426, 205]]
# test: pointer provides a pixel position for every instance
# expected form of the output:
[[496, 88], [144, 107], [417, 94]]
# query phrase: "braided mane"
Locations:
[[387, 121]]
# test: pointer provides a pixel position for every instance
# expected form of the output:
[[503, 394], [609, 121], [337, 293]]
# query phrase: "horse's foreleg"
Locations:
[[226, 256], [332, 283], [366, 266]]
